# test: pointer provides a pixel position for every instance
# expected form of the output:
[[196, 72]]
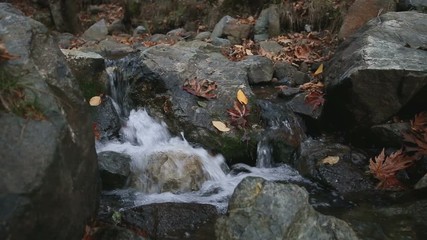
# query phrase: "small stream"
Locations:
[[143, 136]]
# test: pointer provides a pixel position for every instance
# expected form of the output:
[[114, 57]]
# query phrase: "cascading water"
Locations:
[[142, 137]]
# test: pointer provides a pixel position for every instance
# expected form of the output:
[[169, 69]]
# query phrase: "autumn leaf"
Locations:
[[384, 168], [220, 126], [200, 88], [319, 70], [95, 101], [238, 114], [312, 86], [419, 124], [418, 142], [331, 160], [242, 97], [315, 99]]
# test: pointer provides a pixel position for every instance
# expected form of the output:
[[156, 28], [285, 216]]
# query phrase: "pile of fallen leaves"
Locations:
[[385, 168], [313, 47]]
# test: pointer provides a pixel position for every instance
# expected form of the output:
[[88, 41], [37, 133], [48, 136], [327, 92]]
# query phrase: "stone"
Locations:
[[237, 32], [299, 105], [259, 69], [285, 72], [270, 47], [106, 119], [347, 175], [268, 24], [390, 134], [376, 73], [116, 27], [172, 171], [172, 220], [89, 70], [220, 42], [114, 170], [218, 30], [261, 209], [139, 30], [96, 32], [49, 186], [422, 183]]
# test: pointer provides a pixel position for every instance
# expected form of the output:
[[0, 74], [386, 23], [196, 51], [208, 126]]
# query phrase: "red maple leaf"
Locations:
[[200, 88], [384, 168], [238, 114], [315, 99]]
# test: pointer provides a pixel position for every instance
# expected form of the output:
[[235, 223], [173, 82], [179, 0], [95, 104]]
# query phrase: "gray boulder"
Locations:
[[260, 69], [379, 70], [49, 185], [260, 209], [171, 171], [96, 32], [268, 23], [114, 169]]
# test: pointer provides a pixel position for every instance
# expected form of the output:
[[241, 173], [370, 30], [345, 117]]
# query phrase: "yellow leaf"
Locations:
[[95, 101], [319, 70], [242, 97], [220, 126], [331, 160], [249, 52]]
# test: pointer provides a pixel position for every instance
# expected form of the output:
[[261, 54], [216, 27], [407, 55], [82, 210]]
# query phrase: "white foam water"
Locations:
[[143, 136]]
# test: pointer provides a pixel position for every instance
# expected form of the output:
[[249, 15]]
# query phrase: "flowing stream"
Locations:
[[143, 136]]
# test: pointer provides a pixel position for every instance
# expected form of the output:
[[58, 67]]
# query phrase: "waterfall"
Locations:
[[264, 152], [148, 141]]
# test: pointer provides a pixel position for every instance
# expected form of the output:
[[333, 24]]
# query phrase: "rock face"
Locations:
[[260, 209], [334, 164], [114, 169], [379, 70], [49, 184]]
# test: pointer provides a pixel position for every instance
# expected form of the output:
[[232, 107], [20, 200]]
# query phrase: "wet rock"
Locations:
[[258, 68], [172, 171], [384, 220], [390, 134], [422, 183], [165, 69], [268, 24], [260, 209], [115, 233], [334, 164], [65, 40], [361, 11], [171, 220], [114, 170], [48, 158], [285, 131], [106, 120], [96, 32], [299, 105], [289, 92], [89, 70], [376, 73]]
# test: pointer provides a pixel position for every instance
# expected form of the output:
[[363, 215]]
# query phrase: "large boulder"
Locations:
[[165, 70], [260, 209], [380, 71], [49, 184]]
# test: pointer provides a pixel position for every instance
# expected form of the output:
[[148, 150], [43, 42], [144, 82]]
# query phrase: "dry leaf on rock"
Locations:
[[95, 101], [242, 97], [331, 160], [220, 126], [319, 70]]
